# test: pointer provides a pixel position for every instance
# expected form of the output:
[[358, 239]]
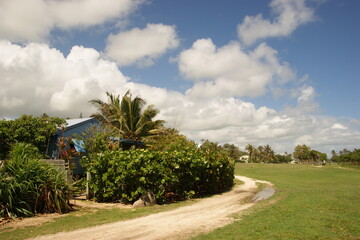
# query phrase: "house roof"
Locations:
[[75, 122]]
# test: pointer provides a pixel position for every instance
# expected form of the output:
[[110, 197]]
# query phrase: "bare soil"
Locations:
[[181, 223]]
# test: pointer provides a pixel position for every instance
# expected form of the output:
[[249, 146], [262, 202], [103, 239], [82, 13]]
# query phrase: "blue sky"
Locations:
[[325, 49], [280, 72]]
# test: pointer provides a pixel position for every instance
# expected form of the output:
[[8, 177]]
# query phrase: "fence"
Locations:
[[62, 165], [58, 163]]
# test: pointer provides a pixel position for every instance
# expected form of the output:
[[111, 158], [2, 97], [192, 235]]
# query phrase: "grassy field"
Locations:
[[310, 203]]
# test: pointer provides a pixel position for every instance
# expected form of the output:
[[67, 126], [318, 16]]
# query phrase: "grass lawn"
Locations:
[[310, 203]]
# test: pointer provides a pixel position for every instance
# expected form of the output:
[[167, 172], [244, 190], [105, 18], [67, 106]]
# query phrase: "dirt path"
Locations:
[[181, 223]]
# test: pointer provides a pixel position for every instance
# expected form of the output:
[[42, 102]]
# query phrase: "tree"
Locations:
[[317, 156], [334, 156], [250, 149], [213, 146], [286, 158], [302, 153], [126, 117], [349, 157], [28, 129], [233, 151], [305, 154], [269, 154]]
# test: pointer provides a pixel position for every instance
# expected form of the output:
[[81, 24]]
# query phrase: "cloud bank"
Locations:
[[38, 79], [33, 20]]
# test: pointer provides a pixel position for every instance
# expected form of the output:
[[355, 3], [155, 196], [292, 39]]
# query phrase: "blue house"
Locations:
[[74, 127]]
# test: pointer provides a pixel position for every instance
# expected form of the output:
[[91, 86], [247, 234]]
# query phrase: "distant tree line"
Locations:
[[265, 154], [304, 154], [346, 156], [260, 154]]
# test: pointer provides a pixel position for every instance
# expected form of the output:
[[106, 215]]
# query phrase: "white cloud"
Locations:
[[307, 94], [36, 79], [33, 20], [306, 102], [290, 15], [231, 71], [141, 46], [339, 126]]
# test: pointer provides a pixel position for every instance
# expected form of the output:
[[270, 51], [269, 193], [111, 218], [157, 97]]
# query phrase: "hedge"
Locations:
[[177, 175]]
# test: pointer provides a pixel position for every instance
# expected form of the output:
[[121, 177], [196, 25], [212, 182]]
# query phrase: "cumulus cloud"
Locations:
[[290, 15], [141, 46], [305, 96], [230, 70], [33, 20], [36, 79]]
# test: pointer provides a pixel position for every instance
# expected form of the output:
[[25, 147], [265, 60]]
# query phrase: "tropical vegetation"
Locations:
[[29, 129], [126, 117], [265, 154], [304, 154], [171, 175], [346, 156], [29, 185]]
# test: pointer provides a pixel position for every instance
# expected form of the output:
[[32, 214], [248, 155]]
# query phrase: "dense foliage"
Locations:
[[265, 154], [305, 154], [346, 156], [167, 139], [29, 185], [230, 150], [29, 129], [171, 175]]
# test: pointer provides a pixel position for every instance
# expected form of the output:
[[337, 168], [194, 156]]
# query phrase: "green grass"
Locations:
[[310, 203], [85, 218]]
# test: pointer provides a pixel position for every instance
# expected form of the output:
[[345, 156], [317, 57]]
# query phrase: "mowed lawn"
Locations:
[[310, 203]]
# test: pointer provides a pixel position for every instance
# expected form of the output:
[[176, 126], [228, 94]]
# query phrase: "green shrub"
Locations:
[[29, 129], [29, 185], [171, 175]]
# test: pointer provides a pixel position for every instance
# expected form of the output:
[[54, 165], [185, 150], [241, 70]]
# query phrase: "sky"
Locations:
[[279, 72]]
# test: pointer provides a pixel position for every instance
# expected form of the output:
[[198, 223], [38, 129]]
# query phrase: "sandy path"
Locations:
[[181, 223]]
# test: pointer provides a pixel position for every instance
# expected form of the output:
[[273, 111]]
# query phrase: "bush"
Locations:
[[29, 129], [29, 185], [171, 175]]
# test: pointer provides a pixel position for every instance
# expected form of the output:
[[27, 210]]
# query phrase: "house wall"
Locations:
[[70, 131]]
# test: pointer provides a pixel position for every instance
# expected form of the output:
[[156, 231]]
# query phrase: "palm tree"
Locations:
[[108, 112], [269, 153], [126, 117], [250, 149]]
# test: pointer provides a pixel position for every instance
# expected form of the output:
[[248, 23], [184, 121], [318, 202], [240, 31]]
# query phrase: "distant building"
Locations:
[[244, 159]]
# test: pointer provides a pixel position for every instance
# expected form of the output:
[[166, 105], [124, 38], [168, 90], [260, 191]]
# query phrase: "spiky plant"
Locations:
[[29, 185]]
